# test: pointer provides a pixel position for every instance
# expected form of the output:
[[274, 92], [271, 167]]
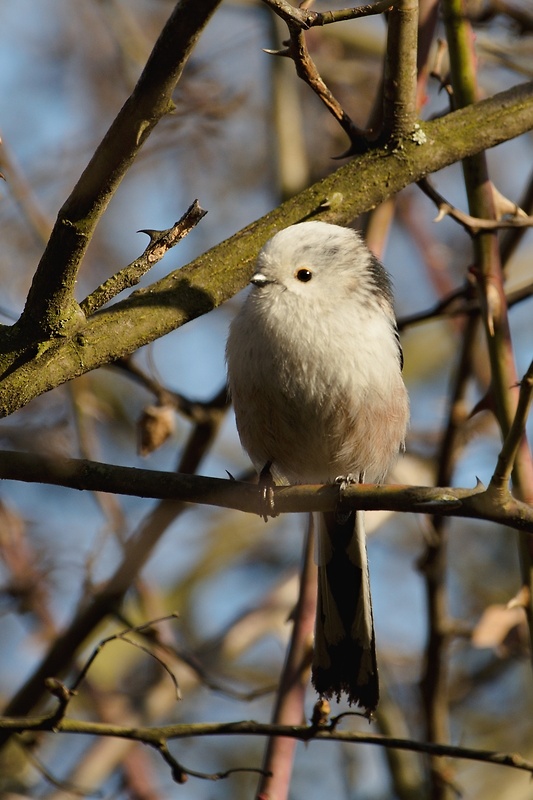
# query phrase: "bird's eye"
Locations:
[[304, 275]]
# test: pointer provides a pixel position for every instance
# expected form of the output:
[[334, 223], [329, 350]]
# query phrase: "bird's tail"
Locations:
[[344, 658]]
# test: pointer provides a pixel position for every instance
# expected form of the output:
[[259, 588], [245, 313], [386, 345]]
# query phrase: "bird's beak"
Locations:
[[260, 280]]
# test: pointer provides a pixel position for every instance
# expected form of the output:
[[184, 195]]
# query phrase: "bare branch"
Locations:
[[140, 545], [473, 225], [502, 473], [160, 243], [157, 737], [306, 18], [306, 70], [290, 700], [93, 475], [123, 636], [489, 278], [50, 307], [399, 85], [180, 773], [218, 274]]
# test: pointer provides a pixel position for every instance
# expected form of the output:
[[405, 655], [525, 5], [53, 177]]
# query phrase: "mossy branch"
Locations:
[[221, 272]]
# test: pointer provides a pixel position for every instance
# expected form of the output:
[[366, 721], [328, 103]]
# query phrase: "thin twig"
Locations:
[[24, 196], [459, 303], [157, 737], [306, 70], [504, 467], [139, 548], [180, 773], [472, 225], [433, 566], [160, 243], [198, 411], [188, 488], [489, 277], [64, 786], [306, 18], [123, 636]]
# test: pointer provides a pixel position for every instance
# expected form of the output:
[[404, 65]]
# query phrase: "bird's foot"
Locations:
[[266, 493], [343, 514]]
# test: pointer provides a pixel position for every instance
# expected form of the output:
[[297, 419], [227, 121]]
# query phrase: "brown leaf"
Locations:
[[156, 425]]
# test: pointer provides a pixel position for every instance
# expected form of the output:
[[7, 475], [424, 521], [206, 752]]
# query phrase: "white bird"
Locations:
[[314, 369]]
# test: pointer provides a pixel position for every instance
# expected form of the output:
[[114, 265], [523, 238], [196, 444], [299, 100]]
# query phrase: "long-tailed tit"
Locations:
[[314, 368]]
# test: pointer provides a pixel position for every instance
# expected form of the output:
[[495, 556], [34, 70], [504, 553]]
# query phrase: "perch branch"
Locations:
[[96, 476]]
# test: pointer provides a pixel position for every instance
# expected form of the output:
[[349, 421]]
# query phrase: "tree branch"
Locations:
[[51, 309], [472, 225], [96, 476], [108, 597], [221, 272], [489, 278], [304, 733], [506, 459], [399, 85], [290, 698], [160, 243], [306, 18]]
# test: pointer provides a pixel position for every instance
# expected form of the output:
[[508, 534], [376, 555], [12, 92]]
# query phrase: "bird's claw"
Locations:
[[266, 493], [342, 515]]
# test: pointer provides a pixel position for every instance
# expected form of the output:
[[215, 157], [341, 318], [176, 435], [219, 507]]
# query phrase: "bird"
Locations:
[[314, 366]]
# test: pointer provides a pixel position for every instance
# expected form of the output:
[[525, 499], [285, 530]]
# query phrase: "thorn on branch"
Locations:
[[516, 217], [160, 243], [296, 49], [440, 70], [285, 53]]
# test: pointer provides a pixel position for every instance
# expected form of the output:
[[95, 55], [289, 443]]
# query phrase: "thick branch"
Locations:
[[399, 87], [217, 275]]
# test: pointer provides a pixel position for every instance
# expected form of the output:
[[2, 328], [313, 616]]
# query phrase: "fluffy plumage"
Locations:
[[314, 368]]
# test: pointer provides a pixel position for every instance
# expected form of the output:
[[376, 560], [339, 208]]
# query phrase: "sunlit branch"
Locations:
[[96, 476], [160, 243], [306, 18]]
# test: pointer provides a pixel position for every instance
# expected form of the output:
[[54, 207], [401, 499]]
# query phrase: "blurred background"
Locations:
[[245, 135]]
